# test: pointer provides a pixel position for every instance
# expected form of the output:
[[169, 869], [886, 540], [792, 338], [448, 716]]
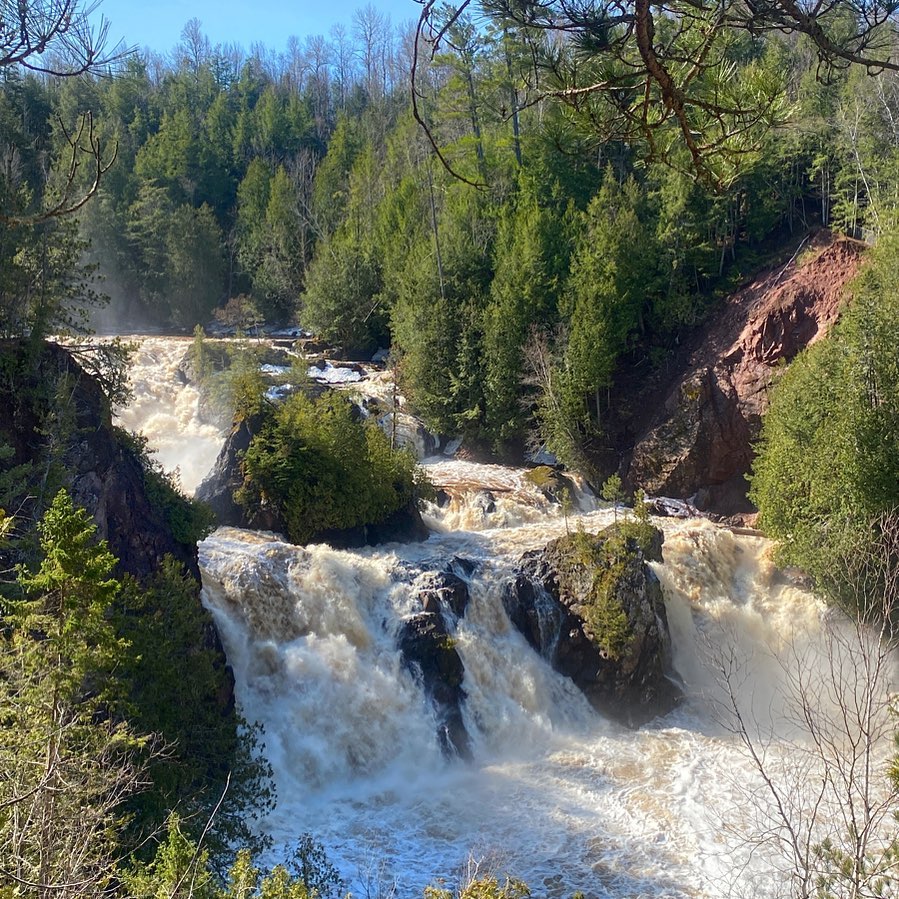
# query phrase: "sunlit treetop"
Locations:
[[686, 82]]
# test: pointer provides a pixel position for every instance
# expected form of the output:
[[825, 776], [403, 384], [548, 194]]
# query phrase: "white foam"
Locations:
[[555, 794]]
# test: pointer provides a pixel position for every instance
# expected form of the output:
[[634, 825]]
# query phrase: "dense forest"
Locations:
[[523, 205], [298, 188]]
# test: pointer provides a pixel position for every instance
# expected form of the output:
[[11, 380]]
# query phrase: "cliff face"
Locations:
[[699, 443], [55, 418]]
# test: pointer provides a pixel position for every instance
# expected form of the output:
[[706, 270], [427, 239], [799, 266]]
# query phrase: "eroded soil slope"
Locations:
[[699, 443]]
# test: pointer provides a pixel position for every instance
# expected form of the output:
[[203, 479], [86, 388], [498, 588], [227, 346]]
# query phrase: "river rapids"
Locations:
[[555, 794]]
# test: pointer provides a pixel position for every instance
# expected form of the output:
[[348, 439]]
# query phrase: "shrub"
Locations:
[[318, 468]]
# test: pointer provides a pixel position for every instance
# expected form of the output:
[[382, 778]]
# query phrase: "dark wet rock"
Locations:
[[463, 567], [429, 652], [219, 486], [403, 526], [593, 607], [485, 501], [442, 591], [554, 485]]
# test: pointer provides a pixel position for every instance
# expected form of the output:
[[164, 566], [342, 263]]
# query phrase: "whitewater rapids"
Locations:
[[555, 794]]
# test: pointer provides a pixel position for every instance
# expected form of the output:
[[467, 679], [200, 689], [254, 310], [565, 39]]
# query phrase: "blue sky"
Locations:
[[157, 24]]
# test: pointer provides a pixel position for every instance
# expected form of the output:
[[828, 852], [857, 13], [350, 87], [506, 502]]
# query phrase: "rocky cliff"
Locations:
[[56, 421], [56, 431], [699, 442]]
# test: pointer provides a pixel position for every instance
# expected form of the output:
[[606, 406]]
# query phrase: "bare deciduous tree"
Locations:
[[57, 37], [822, 806]]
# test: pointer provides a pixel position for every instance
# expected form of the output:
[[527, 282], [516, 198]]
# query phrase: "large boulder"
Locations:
[[442, 592], [220, 486], [593, 607]]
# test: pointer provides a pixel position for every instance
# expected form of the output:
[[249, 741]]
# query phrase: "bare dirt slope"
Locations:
[[698, 444]]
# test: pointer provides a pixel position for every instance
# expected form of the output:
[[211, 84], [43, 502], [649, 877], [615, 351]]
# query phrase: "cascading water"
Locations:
[[165, 409], [554, 794]]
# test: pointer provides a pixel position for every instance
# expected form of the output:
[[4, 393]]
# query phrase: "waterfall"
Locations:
[[166, 410], [554, 793]]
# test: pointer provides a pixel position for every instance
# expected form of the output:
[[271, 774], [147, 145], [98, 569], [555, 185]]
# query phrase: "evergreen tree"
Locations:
[[532, 258], [67, 758], [827, 466]]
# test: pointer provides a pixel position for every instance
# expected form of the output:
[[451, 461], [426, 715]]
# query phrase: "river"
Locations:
[[555, 794]]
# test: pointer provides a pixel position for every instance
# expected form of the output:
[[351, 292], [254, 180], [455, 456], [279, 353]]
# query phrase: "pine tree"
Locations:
[[67, 759]]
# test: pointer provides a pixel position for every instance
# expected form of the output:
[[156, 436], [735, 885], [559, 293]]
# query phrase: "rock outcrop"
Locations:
[[592, 606], [429, 651], [430, 654], [56, 418], [219, 488], [699, 444]]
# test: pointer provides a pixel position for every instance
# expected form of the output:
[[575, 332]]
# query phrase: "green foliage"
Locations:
[[482, 888], [438, 317], [605, 559], [341, 301], [188, 520], [74, 589], [177, 690], [319, 468], [46, 286], [612, 491], [89, 666], [641, 507], [827, 465], [178, 256], [309, 866], [181, 868], [271, 248], [242, 383], [68, 759], [531, 265], [612, 274]]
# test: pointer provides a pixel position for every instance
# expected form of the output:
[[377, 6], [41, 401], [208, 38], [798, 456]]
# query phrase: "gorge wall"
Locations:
[[699, 442]]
